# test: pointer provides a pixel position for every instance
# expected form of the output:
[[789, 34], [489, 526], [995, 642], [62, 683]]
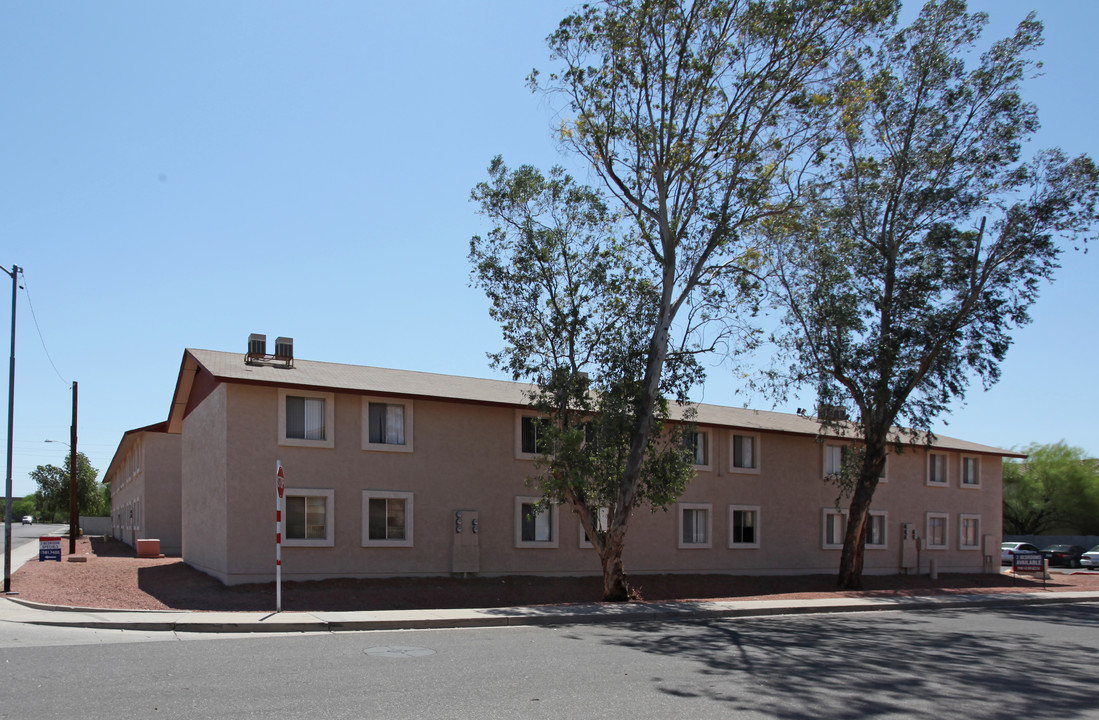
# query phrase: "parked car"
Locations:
[[28, 520], [1090, 559], [1009, 549], [1063, 555]]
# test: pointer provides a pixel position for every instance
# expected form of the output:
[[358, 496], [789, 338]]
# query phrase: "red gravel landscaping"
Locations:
[[112, 577]]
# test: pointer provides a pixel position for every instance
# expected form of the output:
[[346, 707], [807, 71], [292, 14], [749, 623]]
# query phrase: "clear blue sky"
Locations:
[[180, 175]]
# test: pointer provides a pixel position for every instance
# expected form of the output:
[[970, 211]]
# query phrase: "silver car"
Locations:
[[1090, 559], [1010, 549]]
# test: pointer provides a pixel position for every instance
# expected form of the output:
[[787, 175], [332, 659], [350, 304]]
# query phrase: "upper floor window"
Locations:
[[306, 418], [745, 453], [531, 436], [387, 424], [834, 455], [971, 472], [936, 469], [698, 442]]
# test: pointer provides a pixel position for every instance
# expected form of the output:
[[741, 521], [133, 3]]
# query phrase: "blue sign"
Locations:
[[49, 548]]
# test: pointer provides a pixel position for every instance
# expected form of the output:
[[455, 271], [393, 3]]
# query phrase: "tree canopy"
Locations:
[[1055, 489], [53, 489], [926, 241], [696, 117]]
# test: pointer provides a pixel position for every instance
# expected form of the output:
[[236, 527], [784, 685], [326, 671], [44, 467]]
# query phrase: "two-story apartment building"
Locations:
[[392, 472]]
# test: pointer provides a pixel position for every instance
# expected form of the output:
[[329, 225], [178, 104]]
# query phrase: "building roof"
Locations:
[[362, 379]]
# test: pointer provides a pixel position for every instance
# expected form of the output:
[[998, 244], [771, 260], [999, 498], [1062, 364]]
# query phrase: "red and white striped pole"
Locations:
[[280, 486]]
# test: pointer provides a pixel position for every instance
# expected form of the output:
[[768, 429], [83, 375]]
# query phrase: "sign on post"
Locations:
[[1029, 563], [49, 548]]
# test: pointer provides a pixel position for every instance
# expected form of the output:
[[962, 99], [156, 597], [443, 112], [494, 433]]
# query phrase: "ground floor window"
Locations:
[[308, 517], [743, 526], [875, 531], [969, 532], [694, 525], [535, 524], [937, 537], [834, 527], [387, 518]]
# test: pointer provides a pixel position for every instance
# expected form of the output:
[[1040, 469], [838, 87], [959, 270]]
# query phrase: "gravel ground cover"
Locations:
[[113, 577]]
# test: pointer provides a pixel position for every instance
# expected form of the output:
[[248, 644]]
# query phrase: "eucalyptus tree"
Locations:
[[697, 118], [907, 271]]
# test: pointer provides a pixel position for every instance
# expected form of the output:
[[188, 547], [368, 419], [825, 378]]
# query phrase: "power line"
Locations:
[[30, 304]]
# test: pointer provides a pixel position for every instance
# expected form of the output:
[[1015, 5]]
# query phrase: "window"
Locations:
[[698, 442], [885, 470], [387, 519], [743, 526], [875, 531], [306, 418], [834, 455], [745, 453], [971, 472], [308, 517], [936, 537], [603, 519], [694, 525], [834, 527], [387, 424], [969, 532], [534, 526], [936, 469], [531, 437]]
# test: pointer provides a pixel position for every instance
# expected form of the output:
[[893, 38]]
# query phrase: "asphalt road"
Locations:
[[22, 534], [1021, 662]]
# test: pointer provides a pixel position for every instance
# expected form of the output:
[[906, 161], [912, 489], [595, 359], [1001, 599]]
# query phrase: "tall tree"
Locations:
[[53, 487], [907, 271], [695, 116], [1056, 487]]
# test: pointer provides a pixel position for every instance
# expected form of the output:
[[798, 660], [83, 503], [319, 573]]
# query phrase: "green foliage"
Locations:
[[53, 489], [24, 506], [927, 237], [1055, 488]]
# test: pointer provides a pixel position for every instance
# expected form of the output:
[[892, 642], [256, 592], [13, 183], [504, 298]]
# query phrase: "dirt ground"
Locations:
[[112, 577]]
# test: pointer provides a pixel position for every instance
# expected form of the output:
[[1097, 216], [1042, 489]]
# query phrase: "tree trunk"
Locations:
[[615, 588], [854, 541]]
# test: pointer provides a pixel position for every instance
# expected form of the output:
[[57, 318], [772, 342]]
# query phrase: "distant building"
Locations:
[[392, 472]]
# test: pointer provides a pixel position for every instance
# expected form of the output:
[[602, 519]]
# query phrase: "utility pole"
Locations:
[[14, 274], [74, 515]]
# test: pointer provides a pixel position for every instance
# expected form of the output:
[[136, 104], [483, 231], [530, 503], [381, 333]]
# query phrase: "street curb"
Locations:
[[198, 622]]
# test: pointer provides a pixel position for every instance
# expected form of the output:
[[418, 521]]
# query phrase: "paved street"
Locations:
[[22, 534], [1020, 662]]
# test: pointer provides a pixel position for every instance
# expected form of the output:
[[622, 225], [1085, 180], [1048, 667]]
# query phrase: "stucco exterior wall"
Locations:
[[463, 457], [203, 495], [163, 517]]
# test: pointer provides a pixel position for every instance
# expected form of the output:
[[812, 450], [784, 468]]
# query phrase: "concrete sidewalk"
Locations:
[[14, 610]]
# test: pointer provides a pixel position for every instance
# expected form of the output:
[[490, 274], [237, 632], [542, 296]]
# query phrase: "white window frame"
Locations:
[[329, 517], [329, 419], [962, 519], [945, 482], [709, 541], [976, 460], [831, 543], [707, 438], [945, 544], [826, 470], [756, 448], [408, 445], [602, 517], [519, 453], [554, 523], [884, 544], [733, 510], [409, 516], [885, 470]]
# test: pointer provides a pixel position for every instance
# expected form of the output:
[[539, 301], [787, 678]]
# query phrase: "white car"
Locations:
[[1090, 559], [28, 520], [1010, 549]]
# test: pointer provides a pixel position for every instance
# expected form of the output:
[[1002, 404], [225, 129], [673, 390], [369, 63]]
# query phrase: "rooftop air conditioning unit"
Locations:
[[284, 349], [257, 345]]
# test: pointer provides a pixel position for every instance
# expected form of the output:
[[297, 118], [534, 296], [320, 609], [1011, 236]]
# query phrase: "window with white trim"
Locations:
[[876, 536], [307, 518], [969, 532], [535, 526], [530, 435], [694, 525], [936, 469], [937, 536], [834, 455], [744, 454], [602, 519], [744, 526], [833, 528], [884, 477], [387, 424], [698, 442], [306, 418], [971, 472], [387, 518]]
